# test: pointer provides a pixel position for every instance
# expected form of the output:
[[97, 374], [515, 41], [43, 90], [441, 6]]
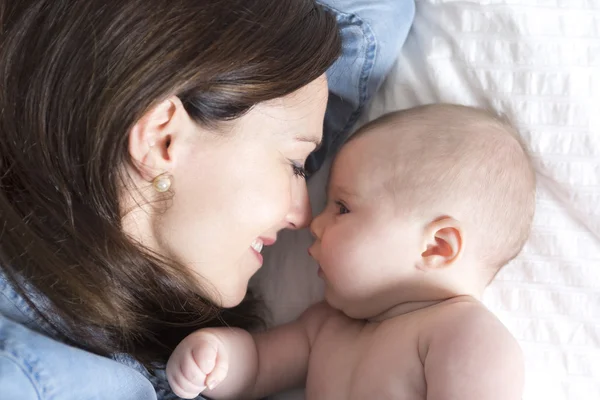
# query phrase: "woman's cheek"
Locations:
[[266, 201]]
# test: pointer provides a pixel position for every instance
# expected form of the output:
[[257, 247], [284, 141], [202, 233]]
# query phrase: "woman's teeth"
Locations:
[[257, 245]]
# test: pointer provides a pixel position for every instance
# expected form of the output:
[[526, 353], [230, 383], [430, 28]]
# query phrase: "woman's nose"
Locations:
[[300, 214]]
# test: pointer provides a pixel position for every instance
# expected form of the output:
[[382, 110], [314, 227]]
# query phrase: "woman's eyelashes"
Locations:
[[298, 169]]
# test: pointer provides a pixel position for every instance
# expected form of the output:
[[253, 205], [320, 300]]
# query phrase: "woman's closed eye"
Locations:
[[298, 169]]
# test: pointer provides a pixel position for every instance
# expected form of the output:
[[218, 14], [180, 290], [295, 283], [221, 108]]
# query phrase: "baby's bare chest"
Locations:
[[349, 361]]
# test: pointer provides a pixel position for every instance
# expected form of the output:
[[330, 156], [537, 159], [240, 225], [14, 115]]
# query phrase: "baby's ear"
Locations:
[[442, 244]]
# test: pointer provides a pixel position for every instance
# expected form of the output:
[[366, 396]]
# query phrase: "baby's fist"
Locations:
[[198, 362]]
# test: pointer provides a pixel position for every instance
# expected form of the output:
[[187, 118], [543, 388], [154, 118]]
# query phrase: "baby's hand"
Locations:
[[199, 362]]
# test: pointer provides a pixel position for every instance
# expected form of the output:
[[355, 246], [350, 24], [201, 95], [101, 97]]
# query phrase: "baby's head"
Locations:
[[423, 204]]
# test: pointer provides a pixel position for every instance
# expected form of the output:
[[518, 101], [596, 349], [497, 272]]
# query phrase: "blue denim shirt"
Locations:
[[36, 365]]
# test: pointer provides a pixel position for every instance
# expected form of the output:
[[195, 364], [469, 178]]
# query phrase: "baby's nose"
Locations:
[[316, 226]]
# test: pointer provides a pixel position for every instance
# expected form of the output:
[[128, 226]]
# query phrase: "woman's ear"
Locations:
[[442, 245], [151, 137]]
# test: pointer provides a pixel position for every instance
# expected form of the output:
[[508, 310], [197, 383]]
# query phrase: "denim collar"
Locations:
[[16, 308]]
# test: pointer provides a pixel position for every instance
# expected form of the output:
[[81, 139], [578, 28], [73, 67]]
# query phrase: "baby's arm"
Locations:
[[234, 364], [472, 356]]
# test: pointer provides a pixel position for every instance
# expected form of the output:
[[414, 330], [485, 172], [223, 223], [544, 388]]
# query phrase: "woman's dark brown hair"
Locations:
[[75, 76]]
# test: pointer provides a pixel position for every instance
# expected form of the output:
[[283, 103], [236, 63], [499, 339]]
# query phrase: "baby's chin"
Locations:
[[352, 308], [333, 301]]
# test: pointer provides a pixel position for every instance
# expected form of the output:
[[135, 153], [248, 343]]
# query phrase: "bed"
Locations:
[[538, 62]]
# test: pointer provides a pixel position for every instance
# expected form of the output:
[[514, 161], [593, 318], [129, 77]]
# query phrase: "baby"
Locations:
[[424, 207]]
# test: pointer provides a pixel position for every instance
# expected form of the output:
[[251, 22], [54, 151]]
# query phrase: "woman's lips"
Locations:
[[268, 241], [258, 255], [259, 244]]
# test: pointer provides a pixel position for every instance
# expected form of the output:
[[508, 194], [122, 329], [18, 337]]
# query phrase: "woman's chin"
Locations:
[[233, 298]]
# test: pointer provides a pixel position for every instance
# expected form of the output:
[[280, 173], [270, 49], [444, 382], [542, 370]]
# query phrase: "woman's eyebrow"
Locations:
[[309, 139]]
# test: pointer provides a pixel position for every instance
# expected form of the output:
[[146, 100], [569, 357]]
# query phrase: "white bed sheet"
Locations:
[[537, 61]]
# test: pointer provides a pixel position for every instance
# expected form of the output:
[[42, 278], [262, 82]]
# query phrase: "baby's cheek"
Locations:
[[342, 259], [334, 248]]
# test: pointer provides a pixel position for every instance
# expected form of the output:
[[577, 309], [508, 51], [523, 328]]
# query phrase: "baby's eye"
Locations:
[[342, 209]]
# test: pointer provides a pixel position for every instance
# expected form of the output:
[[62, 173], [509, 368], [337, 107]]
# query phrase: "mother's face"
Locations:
[[232, 191]]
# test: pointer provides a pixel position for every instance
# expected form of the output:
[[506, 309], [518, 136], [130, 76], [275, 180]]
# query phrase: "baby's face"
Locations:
[[363, 245]]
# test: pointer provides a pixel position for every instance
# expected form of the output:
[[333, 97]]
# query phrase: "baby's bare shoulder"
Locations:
[[464, 339], [455, 320], [464, 309]]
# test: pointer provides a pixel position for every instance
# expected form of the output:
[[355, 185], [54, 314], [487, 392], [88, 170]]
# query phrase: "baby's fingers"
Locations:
[[189, 365], [205, 357], [198, 361], [185, 378], [219, 371]]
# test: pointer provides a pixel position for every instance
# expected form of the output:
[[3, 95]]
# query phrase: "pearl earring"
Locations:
[[162, 183]]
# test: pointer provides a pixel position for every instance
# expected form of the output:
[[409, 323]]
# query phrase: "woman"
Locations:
[[148, 151]]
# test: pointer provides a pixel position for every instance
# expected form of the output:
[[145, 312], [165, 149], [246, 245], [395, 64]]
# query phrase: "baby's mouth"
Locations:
[[311, 252], [320, 272]]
